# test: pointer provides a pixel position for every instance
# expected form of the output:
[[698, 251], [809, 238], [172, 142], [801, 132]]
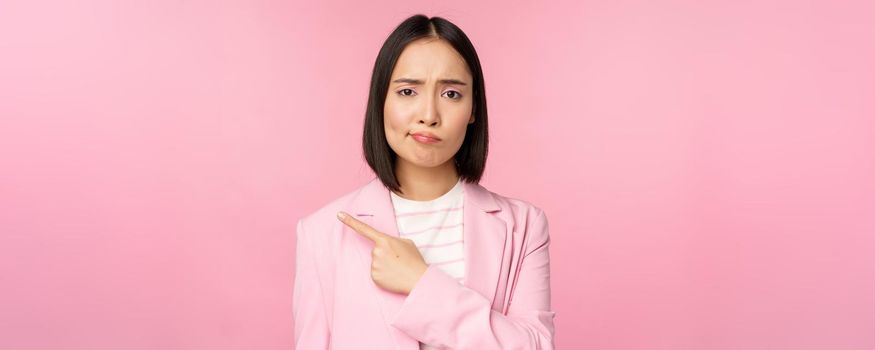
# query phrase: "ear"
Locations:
[[471, 121]]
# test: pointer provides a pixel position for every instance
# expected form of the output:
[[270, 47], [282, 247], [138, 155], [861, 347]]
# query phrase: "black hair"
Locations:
[[471, 158]]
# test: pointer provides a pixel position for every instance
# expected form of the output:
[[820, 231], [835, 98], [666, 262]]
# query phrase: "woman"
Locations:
[[422, 256]]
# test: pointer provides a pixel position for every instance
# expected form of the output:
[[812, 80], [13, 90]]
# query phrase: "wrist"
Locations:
[[422, 269]]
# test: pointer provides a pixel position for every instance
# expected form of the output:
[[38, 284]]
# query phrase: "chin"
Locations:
[[426, 163]]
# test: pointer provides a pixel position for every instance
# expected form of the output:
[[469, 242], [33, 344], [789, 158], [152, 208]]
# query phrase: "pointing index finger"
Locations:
[[360, 227]]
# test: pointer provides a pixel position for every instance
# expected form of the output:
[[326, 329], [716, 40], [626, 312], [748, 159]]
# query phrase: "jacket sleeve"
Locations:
[[311, 323], [440, 311]]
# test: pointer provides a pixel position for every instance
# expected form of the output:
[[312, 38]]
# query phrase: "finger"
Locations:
[[360, 227]]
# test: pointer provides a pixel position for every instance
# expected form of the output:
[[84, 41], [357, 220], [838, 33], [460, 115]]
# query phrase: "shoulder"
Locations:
[[525, 215], [517, 205], [528, 221], [325, 216]]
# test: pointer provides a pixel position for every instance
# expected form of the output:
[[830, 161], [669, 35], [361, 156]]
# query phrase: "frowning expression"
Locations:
[[429, 104]]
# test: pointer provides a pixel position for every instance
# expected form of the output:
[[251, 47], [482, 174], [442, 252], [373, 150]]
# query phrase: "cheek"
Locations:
[[395, 122], [392, 122], [459, 121], [394, 115]]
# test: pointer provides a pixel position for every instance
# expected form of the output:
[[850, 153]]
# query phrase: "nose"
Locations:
[[430, 115]]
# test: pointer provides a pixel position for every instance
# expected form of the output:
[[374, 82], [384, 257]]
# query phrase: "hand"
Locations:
[[396, 264]]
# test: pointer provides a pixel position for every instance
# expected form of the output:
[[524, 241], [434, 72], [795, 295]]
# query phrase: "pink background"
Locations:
[[707, 167]]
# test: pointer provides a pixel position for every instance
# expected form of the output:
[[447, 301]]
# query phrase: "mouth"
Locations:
[[425, 137]]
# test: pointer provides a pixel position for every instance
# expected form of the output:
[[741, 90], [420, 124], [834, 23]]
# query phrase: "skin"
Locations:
[[426, 171], [430, 90]]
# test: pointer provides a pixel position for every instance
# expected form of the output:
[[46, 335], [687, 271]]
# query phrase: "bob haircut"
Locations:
[[471, 158]]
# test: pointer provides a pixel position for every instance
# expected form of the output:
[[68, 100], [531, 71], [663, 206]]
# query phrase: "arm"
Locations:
[[311, 324], [440, 311]]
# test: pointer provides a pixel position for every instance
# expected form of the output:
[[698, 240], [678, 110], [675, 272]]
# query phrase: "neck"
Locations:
[[424, 184]]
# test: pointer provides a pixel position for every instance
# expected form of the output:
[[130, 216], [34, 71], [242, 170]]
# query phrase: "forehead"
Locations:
[[426, 57]]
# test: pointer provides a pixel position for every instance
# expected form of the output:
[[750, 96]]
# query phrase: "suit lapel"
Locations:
[[484, 234]]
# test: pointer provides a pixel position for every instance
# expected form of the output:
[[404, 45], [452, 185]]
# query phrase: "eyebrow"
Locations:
[[419, 82]]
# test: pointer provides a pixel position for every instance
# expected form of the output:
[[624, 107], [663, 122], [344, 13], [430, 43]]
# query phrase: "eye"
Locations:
[[402, 92], [456, 95]]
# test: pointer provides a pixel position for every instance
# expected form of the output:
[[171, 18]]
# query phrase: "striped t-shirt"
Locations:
[[435, 226]]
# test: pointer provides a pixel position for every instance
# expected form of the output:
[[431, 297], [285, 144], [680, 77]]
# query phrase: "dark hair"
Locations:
[[471, 158]]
